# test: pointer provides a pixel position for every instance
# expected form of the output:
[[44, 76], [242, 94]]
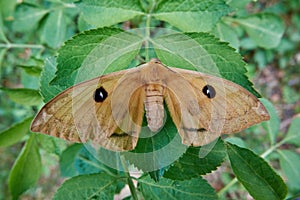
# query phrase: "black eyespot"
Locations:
[[100, 94], [209, 91]]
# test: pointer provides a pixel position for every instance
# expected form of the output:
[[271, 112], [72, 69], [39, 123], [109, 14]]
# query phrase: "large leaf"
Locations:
[[93, 186], [15, 133], [201, 15], [290, 162], [94, 52], [26, 170], [109, 12], [24, 96], [255, 174], [192, 164], [196, 188], [154, 152], [265, 29], [202, 52]]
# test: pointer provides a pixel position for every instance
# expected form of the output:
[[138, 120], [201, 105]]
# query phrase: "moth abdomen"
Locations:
[[154, 106]]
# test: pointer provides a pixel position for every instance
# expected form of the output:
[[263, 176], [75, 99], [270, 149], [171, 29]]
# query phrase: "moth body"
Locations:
[[154, 106]]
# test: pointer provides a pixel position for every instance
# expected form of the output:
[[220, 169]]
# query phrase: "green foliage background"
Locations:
[[43, 45]]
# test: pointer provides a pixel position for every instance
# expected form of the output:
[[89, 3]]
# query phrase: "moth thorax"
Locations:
[[154, 107]]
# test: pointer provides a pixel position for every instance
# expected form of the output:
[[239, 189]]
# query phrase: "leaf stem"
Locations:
[[129, 179]]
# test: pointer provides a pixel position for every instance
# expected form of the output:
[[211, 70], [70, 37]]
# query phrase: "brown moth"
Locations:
[[109, 110]]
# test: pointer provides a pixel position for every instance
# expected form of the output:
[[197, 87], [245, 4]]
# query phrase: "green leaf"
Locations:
[[93, 186], [27, 18], [2, 34], [255, 174], [49, 91], [67, 160], [196, 188], [23, 96], [289, 163], [7, 8], [265, 29], [192, 164], [272, 126], [51, 144], [293, 134], [26, 170], [94, 52], [86, 163], [204, 53], [154, 152], [201, 15], [32, 70], [226, 34], [237, 141], [15, 133], [54, 32], [109, 12]]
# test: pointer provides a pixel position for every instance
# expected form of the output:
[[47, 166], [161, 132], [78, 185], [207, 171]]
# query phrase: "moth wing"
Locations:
[[74, 114], [200, 119]]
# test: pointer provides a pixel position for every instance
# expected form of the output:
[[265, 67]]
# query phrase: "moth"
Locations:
[[109, 110]]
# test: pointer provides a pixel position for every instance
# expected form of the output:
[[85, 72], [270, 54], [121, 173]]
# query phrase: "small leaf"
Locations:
[[27, 18], [54, 32], [26, 170], [226, 34], [48, 73], [290, 162], [93, 186], [2, 34], [293, 134], [32, 70], [67, 160], [265, 29], [51, 144], [7, 9], [23, 96], [191, 164], [255, 174], [15, 133], [196, 188], [272, 126], [109, 12], [201, 15], [94, 52]]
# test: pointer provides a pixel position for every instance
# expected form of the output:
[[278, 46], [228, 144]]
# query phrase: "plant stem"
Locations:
[[224, 189], [147, 36], [30, 46], [129, 179]]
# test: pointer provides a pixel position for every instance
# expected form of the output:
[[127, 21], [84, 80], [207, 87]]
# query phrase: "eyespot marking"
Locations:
[[209, 91], [100, 95]]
